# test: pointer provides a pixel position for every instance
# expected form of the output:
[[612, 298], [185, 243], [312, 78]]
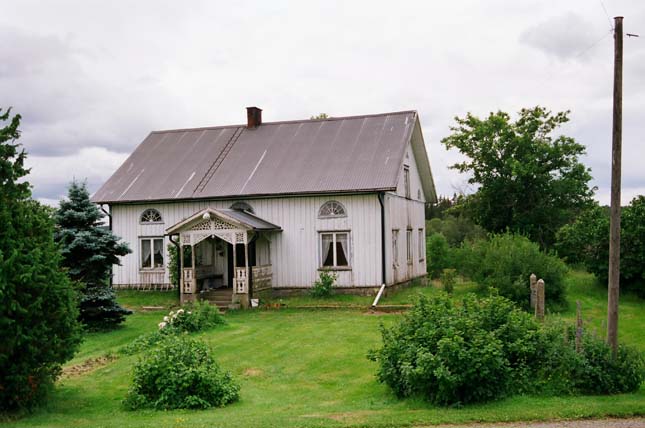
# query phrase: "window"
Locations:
[[406, 179], [151, 216], [395, 247], [334, 249], [422, 250], [151, 253], [242, 206], [408, 238], [332, 209]]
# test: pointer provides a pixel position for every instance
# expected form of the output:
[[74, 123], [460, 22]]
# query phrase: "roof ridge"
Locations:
[[281, 122]]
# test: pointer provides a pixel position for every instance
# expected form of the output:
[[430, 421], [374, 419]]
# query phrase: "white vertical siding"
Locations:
[[404, 214], [295, 252]]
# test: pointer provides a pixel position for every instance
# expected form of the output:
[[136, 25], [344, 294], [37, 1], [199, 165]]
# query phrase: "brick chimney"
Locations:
[[253, 117]]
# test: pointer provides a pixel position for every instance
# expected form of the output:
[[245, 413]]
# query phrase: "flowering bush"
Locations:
[[192, 318], [180, 374], [195, 317]]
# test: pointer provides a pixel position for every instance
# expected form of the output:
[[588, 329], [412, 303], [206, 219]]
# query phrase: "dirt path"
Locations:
[[589, 423]]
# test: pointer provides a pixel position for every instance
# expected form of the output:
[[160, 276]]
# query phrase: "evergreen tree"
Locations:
[[89, 251], [38, 309]]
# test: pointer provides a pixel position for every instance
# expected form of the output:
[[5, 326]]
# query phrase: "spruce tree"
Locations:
[[39, 326], [89, 250]]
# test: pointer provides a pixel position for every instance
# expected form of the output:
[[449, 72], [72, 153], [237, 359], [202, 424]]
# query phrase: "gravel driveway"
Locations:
[[588, 423]]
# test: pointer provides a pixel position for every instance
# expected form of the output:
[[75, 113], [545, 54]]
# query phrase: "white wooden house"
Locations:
[[266, 206]]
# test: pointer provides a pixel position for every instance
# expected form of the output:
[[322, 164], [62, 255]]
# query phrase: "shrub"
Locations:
[[437, 254], [505, 262], [448, 280], [457, 354], [180, 374], [324, 285], [597, 372], [480, 350]]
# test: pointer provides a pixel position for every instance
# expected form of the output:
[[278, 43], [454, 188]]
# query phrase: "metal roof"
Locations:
[[344, 154]]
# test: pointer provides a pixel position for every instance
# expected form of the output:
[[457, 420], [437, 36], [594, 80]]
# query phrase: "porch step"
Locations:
[[222, 297]]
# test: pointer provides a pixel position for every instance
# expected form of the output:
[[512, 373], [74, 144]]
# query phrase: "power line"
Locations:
[[611, 24]]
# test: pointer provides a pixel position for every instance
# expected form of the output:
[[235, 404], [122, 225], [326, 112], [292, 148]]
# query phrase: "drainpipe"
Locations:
[[381, 199], [109, 216], [179, 254]]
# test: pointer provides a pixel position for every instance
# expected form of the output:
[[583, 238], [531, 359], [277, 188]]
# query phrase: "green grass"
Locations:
[[308, 368], [135, 300]]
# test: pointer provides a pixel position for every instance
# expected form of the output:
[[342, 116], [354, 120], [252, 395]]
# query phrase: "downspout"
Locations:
[[179, 254], [381, 200], [109, 216]]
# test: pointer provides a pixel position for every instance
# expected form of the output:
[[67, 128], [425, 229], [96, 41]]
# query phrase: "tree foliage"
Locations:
[[89, 250], [529, 181], [506, 261], [586, 241], [38, 313]]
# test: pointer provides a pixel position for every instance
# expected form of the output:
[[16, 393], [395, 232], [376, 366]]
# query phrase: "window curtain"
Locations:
[[327, 250], [146, 253], [158, 248], [341, 249]]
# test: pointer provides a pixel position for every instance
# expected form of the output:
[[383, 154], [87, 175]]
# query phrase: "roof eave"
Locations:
[[246, 196]]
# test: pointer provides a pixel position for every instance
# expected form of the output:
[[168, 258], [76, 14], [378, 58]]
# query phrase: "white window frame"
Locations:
[[348, 255], [343, 210], [409, 249], [141, 221], [152, 240], [421, 244], [406, 181], [395, 248]]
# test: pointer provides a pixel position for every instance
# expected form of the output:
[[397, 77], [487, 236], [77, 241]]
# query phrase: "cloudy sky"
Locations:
[[92, 78]]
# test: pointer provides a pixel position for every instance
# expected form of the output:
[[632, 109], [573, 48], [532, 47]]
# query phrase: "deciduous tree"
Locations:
[[530, 181]]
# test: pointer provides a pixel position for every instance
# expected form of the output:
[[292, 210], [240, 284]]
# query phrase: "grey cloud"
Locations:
[[565, 37]]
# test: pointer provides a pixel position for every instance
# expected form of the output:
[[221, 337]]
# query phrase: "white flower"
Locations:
[[181, 311], [171, 312], [165, 319], [162, 325], [189, 312]]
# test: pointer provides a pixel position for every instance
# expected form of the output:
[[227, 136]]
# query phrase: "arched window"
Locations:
[[151, 215], [242, 206], [332, 209]]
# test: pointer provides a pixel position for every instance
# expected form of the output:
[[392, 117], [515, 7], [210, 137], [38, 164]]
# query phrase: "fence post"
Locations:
[[539, 303], [533, 285], [578, 327]]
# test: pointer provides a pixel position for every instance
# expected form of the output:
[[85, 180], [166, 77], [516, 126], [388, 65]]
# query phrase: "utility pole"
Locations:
[[614, 228]]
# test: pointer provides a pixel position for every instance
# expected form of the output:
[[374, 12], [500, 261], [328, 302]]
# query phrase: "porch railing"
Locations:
[[188, 280]]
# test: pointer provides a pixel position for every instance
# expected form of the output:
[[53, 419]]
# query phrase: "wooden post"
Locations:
[[180, 255], [614, 228], [578, 327], [245, 299], [539, 303], [533, 286], [194, 277]]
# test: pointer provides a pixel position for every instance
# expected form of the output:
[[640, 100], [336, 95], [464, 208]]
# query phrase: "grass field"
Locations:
[[308, 368]]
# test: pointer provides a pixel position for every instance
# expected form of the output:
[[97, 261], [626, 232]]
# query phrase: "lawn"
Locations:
[[304, 367]]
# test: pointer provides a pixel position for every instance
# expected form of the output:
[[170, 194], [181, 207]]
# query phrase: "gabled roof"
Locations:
[[243, 219], [336, 155]]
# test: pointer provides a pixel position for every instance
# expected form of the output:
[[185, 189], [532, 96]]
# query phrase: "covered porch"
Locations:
[[224, 256]]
